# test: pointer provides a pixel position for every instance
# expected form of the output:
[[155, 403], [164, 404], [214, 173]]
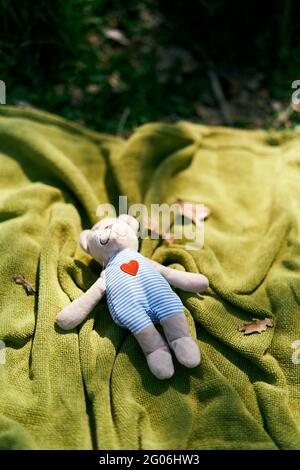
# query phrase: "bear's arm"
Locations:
[[79, 309], [189, 282]]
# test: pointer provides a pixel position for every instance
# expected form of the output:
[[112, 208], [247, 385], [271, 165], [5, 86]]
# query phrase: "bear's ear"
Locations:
[[104, 223], [131, 221], [84, 240]]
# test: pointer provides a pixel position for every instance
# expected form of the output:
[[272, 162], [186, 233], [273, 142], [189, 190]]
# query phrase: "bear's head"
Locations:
[[109, 236]]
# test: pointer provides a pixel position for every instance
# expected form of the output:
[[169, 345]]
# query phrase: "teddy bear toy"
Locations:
[[138, 295]]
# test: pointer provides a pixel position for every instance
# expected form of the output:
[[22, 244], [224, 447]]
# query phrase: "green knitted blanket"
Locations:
[[91, 388]]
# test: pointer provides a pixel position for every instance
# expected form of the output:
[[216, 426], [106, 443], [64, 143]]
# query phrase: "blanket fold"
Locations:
[[91, 388]]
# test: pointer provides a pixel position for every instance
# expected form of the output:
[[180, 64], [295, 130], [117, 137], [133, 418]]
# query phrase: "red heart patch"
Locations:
[[130, 268]]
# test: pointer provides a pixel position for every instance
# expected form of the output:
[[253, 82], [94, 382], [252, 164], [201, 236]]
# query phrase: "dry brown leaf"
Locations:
[[93, 89], [29, 289], [257, 326], [153, 226], [191, 211], [94, 39], [116, 82], [186, 209], [116, 35]]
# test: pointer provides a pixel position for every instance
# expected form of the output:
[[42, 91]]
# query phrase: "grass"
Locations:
[[114, 65]]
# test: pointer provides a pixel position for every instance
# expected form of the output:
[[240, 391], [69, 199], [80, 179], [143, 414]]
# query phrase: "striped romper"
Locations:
[[137, 294]]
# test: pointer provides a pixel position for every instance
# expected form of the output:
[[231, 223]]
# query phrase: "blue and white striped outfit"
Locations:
[[140, 297]]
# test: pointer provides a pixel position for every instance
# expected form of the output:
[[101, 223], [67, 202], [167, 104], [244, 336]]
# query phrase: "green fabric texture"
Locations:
[[91, 388]]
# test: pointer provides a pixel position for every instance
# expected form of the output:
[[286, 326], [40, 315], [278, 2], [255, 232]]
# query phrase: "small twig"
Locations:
[[220, 97], [123, 121], [29, 289]]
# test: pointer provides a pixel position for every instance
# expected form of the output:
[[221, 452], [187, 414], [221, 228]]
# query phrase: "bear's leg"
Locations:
[[178, 334], [156, 351]]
